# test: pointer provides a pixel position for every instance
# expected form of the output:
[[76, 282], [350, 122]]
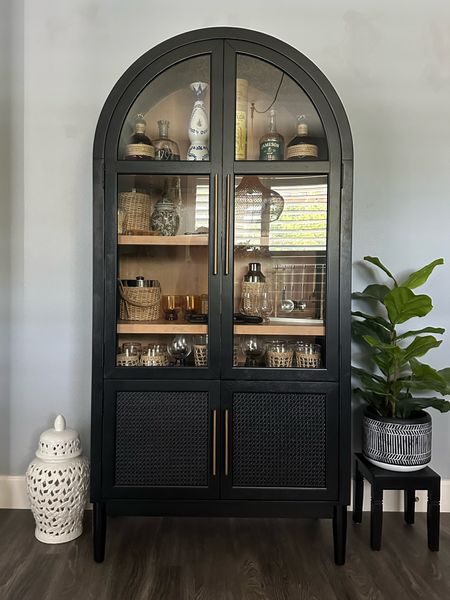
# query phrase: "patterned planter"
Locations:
[[397, 444]]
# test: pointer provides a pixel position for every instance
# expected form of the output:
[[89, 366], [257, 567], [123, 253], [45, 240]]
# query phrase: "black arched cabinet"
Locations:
[[221, 332]]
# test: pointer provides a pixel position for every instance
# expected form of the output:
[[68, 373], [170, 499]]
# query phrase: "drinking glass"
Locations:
[[265, 305]]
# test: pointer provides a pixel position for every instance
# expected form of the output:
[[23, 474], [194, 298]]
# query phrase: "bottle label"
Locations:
[[166, 153], [271, 150], [302, 150], [140, 150], [241, 135]]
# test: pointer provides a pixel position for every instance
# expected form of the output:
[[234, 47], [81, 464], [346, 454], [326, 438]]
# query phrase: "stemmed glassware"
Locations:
[[180, 348]]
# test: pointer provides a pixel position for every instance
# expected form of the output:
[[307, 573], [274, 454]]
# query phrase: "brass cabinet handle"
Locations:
[[226, 442], [227, 226], [216, 224], [214, 444]]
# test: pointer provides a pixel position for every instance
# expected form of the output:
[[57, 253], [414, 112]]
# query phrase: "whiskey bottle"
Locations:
[[140, 146], [302, 146], [271, 145], [165, 149]]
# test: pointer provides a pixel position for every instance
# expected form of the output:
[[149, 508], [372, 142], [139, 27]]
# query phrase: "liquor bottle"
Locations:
[[271, 145], [165, 149], [140, 146], [302, 146]]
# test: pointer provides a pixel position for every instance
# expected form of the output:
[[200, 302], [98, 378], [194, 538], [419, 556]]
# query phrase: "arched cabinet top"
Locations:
[[243, 41]]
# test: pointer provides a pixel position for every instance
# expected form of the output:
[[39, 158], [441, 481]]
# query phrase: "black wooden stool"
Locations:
[[381, 479]]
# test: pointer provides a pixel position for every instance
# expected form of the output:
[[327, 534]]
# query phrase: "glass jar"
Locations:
[[279, 354]]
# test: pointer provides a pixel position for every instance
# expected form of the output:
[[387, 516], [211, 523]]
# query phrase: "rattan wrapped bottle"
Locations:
[[253, 286], [57, 484], [140, 146]]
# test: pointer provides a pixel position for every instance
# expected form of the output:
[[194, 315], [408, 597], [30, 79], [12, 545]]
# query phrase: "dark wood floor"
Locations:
[[218, 559]]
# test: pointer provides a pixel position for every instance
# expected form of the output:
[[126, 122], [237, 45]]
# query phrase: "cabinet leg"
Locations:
[[376, 518], [410, 500], [358, 495], [99, 531], [433, 518], [339, 533]]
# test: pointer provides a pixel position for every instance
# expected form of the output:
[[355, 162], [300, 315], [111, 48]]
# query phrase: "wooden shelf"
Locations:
[[162, 240], [161, 326], [277, 329]]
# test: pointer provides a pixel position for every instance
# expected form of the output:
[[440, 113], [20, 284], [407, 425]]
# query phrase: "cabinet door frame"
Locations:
[[213, 169], [109, 490], [232, 168], [328, 493]]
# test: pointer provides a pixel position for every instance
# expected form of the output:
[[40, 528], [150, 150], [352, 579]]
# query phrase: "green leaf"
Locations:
[[445, 373], [378, 403], [362, 372], [375, 319], [384, 362], [419, 331], [402, 304], [425, 377], [420, 277], [375, 291], [371, 383], [377, 262], [362, 328], [420, 346], [407, 405]]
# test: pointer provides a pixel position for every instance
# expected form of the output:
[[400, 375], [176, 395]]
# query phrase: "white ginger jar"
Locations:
[[198, 124], [57, 485]]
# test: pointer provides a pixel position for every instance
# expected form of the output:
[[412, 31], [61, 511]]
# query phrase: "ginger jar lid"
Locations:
[[59, 443]]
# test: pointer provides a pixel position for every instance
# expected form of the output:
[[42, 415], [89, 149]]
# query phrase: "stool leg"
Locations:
[[358, 495], [433, 517], [376, 517], [339, 533], [410, 505]]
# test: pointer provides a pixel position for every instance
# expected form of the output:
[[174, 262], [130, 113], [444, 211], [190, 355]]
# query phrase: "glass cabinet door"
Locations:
[[169, 120], [275, 119], [281, 222], [162, 270], [280, 258]]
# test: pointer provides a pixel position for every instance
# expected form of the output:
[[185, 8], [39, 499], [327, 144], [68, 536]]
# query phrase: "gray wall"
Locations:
[[389, 62]]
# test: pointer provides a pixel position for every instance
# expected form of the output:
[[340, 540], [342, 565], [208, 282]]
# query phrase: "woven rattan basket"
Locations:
[[137, 210], [279, 360], [139, 303]]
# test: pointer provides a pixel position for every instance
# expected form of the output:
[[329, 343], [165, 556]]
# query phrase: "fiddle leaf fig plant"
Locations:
[[399, 384]]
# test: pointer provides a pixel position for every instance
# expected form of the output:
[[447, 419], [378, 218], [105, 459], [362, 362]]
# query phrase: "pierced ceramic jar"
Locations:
[[57, 484]]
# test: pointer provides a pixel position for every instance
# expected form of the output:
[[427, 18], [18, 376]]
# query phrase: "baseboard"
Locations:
[[13, 494]]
